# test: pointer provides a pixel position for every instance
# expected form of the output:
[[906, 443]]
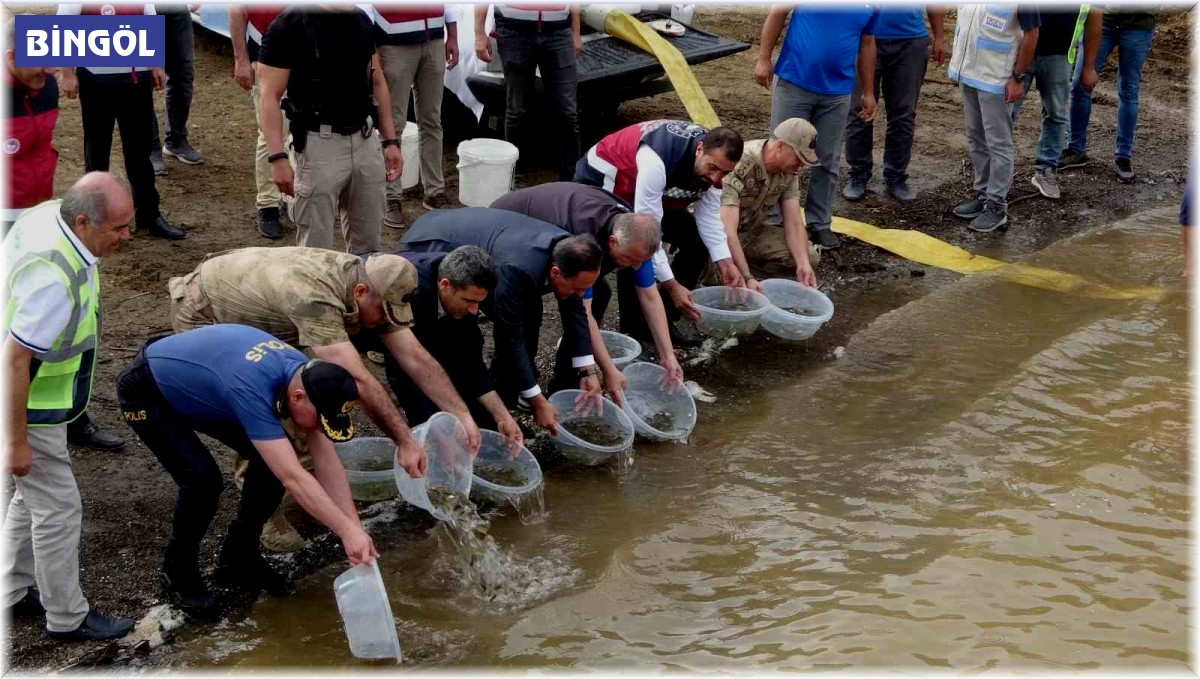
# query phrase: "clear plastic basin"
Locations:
[[788, 296], [368, 462], [608, 415], [646, 400], [366, 613], [493, 456], [726, 311], [448, 465]]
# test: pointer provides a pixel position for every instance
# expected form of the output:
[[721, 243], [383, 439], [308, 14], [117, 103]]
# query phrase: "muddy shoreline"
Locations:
[[128, 498]]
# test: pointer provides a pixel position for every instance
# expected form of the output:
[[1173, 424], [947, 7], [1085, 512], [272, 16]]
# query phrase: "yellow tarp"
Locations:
[[621, 25], [924, 249]]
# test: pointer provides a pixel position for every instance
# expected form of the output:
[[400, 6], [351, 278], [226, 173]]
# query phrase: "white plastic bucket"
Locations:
[[410, 150], [485, 170]]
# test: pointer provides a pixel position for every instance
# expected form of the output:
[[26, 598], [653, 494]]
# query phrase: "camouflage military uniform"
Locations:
[[300, 295], [751, 189]]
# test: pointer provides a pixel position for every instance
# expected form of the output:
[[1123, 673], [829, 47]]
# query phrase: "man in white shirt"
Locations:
[[51, 323]]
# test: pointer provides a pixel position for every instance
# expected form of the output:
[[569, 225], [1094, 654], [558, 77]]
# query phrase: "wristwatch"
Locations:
[[1017, 76], [747, 276], [390, 142], [592, 370], [277, 156]]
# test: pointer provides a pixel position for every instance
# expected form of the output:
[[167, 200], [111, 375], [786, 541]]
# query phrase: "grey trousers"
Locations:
[[827, 113], [41, 533], [423, 67], [990, 142], [899, 71]]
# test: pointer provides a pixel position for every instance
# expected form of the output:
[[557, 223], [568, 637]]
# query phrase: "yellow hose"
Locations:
[[621, 25], [924, 249]]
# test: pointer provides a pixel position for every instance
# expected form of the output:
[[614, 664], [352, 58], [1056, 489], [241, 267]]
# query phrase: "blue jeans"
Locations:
[[1053, 75], [1132, 47]]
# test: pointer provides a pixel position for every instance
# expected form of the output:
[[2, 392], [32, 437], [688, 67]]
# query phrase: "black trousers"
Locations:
[[172, 439], [104, 102], [691, 256], [525, 49], [181, 74]]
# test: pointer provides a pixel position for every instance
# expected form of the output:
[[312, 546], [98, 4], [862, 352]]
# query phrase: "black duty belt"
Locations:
[[363, 128]]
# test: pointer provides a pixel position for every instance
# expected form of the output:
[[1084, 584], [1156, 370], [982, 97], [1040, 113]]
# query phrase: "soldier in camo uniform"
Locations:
[[328, 304], [768, 175]]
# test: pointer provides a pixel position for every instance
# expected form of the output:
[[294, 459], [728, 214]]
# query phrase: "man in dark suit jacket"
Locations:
[[445, 307], [629, 241], [531, 258]]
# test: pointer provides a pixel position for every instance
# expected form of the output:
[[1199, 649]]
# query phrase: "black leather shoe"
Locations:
[[164, 229], [268, 223], [252, 573], [95, 627], [824, 238], [188, 593], [91, 436], [29, 606]]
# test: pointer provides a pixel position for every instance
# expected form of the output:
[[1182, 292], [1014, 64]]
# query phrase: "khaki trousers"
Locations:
[[340, 177], [422, 67], [41, 533], [268, 194]]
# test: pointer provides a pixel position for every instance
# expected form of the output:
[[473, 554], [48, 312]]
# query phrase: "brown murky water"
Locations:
[[991, 476]]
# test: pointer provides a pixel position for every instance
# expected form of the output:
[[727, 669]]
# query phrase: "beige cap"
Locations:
[[799, 134], [394, 279]]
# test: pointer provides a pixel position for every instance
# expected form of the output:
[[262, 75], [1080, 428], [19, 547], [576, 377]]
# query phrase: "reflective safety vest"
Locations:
[[986, 39], [1077, 36], [61, 377], [409, 24]]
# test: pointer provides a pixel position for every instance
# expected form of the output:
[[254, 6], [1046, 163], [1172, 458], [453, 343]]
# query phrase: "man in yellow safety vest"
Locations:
[[51, 323]]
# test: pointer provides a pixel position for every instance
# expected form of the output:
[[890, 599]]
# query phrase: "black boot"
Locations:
[[268, 223], [241, 565], [182, 585]]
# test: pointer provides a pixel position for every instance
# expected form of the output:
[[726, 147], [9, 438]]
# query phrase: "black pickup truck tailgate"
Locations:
[[612, 69]]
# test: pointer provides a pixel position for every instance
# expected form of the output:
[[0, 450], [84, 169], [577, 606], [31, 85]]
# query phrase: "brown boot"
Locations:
[[279, 536], [394, 219]]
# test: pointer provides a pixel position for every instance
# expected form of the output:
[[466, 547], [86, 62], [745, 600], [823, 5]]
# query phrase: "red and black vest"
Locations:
[[258, 20], [408, 24], [121, 72], [615, 159], [27, 146]]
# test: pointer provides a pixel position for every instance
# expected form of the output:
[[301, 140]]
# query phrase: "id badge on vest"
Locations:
[[996, 19]]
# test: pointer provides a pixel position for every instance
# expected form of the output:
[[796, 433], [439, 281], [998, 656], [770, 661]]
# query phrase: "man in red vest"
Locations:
[[247, 24], [662, 167], [32, 160], [122, 96], [417, 45]]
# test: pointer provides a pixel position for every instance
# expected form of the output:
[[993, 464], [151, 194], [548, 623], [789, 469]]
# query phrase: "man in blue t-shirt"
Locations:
[[814, 77], [902, 51], [238, 384]]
